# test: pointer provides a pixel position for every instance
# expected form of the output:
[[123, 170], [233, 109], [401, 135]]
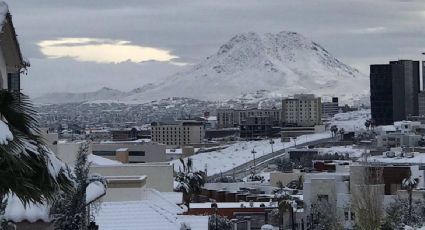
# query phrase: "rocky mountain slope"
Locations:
[[255, 67]]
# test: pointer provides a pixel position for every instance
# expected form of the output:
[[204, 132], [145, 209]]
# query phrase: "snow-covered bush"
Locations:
[[219, 222]]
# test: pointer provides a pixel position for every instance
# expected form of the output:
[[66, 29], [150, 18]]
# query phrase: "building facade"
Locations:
[[302, 110], [137, 152], [231, 118], [179, 133], [329, 109], [421, 103], [394, 90], [253, 127]]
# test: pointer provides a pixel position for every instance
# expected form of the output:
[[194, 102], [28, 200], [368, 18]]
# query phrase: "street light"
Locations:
[[253, 154], [271, 143]]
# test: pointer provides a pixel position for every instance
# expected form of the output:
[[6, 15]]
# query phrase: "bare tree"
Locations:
[[368, 198], [323, 216]]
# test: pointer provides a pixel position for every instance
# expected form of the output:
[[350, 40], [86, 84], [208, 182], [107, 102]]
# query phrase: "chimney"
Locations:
[[122, 155]]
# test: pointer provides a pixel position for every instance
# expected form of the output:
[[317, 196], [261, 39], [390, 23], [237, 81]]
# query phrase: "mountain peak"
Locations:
[[282, 63]]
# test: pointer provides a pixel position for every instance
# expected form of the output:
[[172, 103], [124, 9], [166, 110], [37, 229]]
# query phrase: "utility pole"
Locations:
[[271, 143], [253, 154]]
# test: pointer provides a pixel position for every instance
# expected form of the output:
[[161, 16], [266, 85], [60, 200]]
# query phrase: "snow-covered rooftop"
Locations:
[[101, 161], [234, 205], [136, 215]]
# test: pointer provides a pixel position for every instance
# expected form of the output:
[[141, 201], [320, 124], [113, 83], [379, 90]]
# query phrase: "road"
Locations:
[[243, 170]]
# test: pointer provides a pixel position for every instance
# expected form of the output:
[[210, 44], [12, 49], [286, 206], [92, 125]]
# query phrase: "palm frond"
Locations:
[[25, 164]]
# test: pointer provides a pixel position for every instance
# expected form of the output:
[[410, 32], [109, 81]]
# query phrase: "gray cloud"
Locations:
[[356, 31]]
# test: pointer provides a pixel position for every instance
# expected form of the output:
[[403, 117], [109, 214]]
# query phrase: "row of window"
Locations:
[[112, 153]]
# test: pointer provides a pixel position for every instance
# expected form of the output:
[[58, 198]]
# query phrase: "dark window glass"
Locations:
[[13, 82], [136, 153]]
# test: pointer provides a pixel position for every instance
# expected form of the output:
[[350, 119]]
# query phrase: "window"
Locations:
[[13, 82], [104, 153], [136, 153]]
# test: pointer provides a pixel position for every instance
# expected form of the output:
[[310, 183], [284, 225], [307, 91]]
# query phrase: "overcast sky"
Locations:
[[81, 45]]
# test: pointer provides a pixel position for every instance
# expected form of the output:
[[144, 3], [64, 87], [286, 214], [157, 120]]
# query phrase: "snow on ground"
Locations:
[[5, 134], [240, 153], [351, 121], [351, 150]]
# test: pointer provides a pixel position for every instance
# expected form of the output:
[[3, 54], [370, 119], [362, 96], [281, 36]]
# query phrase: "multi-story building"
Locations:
[[302, 110], [421, 103], [329, 109], [231, 118], [394, 90], [130, 134], [253, 127], [179, 133]]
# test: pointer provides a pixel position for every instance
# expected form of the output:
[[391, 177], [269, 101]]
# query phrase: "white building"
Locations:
[[136, 151], [302, 110], [333, 187]]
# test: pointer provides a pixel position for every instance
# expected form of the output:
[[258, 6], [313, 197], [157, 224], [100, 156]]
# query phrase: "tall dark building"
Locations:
[[394, 89]]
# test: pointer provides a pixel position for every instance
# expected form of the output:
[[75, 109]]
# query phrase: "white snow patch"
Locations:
[[352, 151], [351, 121], [99, 161], [5, 134], [17, 212], [94, 190], [240, 153]]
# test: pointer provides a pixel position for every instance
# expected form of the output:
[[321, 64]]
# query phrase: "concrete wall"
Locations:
[[51, 139], [67, 152], [285, 178], [159, 175], [129, 188]]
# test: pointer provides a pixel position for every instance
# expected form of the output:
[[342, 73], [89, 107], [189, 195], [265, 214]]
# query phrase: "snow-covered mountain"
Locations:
[[250, 67], [61, 98], [274, 64]]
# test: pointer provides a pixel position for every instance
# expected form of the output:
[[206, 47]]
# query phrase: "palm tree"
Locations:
[[27, 168], [190, 182], [409, 184], [367, 124], [283, 206], [334, 130]]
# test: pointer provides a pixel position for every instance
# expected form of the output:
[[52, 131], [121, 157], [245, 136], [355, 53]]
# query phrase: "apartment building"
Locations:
[[179, 133], [231, 118], [302, 110]]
